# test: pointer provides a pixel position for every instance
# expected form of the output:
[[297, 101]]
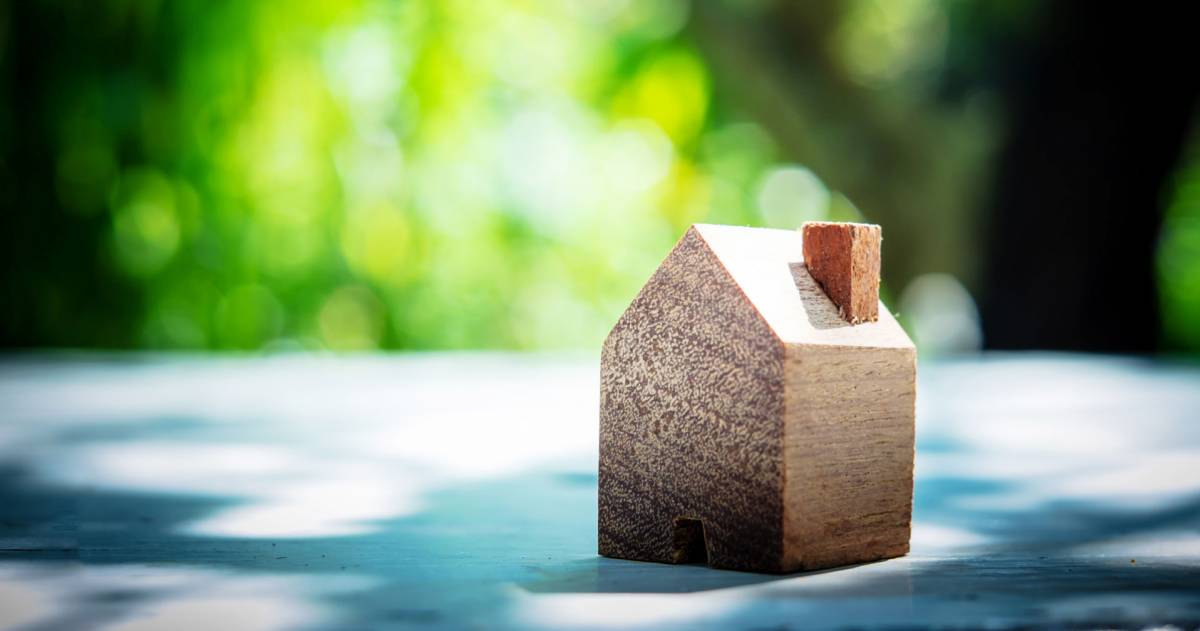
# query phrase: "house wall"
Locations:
[[690, 419], [848, 454]]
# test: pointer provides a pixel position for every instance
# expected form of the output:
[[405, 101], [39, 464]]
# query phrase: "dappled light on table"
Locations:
[[450, 490]]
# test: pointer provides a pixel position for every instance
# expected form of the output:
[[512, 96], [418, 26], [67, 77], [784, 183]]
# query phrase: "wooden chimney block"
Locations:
[[844, 258], [744, 423]]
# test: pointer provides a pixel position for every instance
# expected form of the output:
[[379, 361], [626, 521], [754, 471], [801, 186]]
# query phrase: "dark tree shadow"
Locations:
[[474, 540]]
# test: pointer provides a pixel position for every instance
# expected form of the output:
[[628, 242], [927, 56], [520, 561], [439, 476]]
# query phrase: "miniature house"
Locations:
[[746, 420]]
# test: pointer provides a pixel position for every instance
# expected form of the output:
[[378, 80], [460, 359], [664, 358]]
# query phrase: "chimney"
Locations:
[[844, 259]]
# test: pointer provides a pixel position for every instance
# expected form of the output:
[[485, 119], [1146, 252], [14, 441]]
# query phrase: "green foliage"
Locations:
[[422, 174], [357, 175], [1179, 257]]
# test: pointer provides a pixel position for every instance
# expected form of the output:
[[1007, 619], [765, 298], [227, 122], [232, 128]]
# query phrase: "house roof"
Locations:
[[768, 266]]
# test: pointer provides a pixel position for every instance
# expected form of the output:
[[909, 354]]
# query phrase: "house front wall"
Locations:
[[691, 420]]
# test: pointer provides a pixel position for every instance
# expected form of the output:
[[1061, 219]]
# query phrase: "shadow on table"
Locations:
[[537, 532], [604, 575]]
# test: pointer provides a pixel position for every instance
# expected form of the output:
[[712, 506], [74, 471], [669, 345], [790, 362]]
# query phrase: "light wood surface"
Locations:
[[848, 437], [768, 267]]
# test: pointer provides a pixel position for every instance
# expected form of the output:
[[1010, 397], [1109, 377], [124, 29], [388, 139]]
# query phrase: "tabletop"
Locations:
[[459, 491]]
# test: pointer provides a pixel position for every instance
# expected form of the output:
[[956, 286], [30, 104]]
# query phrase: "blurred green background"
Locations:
[[376, 174]]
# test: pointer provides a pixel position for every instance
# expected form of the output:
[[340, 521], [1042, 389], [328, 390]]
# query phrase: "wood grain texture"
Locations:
[[844, 259], [691, 397], [848, 444], [732, 393]]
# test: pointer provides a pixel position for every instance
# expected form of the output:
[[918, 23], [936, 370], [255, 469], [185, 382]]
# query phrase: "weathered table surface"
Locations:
[[152, 492]]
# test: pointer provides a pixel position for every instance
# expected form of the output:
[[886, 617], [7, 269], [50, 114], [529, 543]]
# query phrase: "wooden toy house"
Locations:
[[757, 406]]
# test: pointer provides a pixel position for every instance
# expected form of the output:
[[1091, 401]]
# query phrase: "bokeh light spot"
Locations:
[[375, 242], [941, 315], [248, 316], [351, 319], [790, 195], [881, 40], [671, 90], [146, 230], [635, 156]]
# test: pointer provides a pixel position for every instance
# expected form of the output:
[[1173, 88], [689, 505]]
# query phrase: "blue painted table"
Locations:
[[165, 492]]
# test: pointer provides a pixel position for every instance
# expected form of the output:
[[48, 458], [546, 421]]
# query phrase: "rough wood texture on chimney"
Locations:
[[844, 260]]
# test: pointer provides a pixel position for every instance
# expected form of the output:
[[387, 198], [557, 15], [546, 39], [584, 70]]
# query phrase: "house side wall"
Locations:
[[690, 419], [848, 454]]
